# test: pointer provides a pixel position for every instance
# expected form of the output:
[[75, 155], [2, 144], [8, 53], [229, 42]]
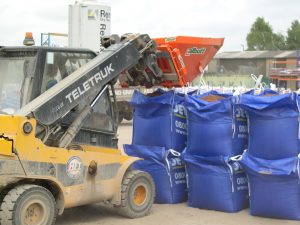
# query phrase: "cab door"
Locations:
[[99, 128]]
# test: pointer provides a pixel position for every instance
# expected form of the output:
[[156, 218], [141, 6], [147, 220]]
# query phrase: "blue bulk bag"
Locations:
[[261, 92], [215, 128], [159, 120], [215, 183], [166, 169], [274, 186], [273, 125]]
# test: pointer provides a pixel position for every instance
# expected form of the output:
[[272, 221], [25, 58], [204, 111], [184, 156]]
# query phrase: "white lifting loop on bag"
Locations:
[[202, 82], [298, 116], [172, 114], [231, 176], [236, 158], [298, 167], [174, 153], [186, 177], [233, 119], [249, 189], [258, 83], [233, 128]]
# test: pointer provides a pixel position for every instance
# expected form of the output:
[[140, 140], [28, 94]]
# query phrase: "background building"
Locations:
[[234, 68]]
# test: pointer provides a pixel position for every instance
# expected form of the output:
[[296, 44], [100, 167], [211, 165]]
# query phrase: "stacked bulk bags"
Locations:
[[272, 160], [159, 135], [217, 131]]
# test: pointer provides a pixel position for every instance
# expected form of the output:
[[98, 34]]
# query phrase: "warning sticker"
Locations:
[[74, 167]]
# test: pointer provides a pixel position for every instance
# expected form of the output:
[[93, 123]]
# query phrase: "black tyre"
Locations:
[[2, 195], [138, 193], [120, 117], [28, 205], [128, 115], [128, 111]]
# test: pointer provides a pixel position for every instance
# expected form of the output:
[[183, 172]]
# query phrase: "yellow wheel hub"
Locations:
[[140, 194], [34, 214]]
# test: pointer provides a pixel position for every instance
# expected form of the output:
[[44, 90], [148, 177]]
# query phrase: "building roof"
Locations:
[[256, 54]]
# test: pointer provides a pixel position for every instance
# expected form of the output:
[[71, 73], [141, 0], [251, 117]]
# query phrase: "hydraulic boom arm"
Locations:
[[92, 77]]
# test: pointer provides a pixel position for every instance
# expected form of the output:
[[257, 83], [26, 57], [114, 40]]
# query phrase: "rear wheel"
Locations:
[[137, 194], [120, 117], [128, 115], [28, 205]]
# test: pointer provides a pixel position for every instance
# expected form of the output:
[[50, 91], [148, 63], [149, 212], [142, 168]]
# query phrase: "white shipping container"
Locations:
[[88, 22]]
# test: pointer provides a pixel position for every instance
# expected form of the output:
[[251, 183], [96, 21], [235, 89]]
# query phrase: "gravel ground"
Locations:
[[178, 214]]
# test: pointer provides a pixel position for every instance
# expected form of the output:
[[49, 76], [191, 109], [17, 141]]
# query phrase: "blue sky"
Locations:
[[231, 19]]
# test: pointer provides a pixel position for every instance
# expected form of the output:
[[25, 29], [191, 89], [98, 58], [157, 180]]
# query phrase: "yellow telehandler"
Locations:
[[58, 128]]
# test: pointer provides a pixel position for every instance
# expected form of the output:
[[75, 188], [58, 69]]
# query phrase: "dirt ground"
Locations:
[[178, 214]]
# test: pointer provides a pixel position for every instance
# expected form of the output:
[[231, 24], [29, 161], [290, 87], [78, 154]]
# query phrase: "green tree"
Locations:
[[279, 42], [261, 37], [293, 36]]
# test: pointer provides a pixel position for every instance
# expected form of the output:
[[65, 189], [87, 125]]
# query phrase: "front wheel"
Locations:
[[138, 193], [28, 205]]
